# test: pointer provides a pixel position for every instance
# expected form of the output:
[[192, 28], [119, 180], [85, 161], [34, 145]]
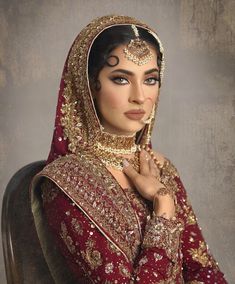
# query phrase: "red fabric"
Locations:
[[152, 264], [59, 146]]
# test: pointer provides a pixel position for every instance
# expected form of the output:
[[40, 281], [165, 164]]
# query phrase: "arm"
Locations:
[[88, 252], [198, 265]]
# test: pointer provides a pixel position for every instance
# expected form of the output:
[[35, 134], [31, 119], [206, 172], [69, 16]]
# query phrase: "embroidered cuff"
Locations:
[[164, 234]]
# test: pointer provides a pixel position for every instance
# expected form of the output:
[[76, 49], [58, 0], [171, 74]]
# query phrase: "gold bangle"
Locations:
[[163, 191]]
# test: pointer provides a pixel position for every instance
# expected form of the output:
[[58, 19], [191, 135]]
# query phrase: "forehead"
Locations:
[[127, 63]]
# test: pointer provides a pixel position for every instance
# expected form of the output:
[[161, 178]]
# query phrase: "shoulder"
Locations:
[[61, 164], [57, 169]]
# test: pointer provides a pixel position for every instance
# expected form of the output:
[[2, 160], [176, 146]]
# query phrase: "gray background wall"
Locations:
[[196, 118]]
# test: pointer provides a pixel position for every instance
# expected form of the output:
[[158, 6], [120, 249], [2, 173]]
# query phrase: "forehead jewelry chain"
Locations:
[[137, 49]]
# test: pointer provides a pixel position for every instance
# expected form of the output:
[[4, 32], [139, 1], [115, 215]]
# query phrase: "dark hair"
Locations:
[[108, 40]]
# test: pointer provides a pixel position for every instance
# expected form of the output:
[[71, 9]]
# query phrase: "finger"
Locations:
[[129, 170], [144, 163], [154, 171]]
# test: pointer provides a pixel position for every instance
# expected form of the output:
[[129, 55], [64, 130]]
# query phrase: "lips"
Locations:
[[135, 114]]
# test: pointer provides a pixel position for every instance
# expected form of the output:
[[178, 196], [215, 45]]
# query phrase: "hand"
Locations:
[[147, 183], [164, 205]]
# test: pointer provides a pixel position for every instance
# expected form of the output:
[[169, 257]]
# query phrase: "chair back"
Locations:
[[23, 256]]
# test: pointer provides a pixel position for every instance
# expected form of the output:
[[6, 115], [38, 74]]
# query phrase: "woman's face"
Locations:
[[128, 93]]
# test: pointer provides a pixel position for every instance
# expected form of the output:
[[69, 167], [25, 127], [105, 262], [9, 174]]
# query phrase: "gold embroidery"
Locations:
[[157, 256], [138, 203], [137, 200], [95, 191], [191, 218], [169, 170], [49, 191], [77, 226], [195, 282], [114, 249], [143, 260], [109, 268], [91, 255], [200, 254], [124, 270], [66, 238], [164, 234]]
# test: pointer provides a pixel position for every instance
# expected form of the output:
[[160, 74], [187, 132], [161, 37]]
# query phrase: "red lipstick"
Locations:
[[135, 114]]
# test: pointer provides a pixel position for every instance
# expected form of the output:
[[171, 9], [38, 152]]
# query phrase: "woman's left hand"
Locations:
[[147, 181], [148, 184]]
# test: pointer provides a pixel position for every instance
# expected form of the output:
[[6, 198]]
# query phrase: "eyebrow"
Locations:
[[131, 73]]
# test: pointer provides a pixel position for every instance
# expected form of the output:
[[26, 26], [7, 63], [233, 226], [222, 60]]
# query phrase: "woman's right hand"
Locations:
[[148, 185]]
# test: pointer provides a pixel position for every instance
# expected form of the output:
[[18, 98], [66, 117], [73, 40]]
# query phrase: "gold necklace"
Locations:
[[116, 162], [111, 149]]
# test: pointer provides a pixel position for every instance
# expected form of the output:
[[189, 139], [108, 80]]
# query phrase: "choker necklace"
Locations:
[[111, 150]]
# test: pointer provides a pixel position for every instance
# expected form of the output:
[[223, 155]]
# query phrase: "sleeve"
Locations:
[[90, 254], [199, 266]]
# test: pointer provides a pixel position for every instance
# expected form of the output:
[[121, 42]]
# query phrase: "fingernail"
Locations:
[[125, 163]]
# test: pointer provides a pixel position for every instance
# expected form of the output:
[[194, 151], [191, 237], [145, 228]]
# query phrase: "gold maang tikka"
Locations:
[[137, 49]]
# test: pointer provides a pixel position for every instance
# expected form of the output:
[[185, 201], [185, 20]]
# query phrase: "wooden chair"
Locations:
[[24, 260]]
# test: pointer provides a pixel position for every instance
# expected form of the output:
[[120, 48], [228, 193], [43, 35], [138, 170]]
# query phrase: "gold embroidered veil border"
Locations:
[[55, 261]]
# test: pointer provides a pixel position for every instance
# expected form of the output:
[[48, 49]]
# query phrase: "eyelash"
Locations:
[[117, 80], [153, 78]]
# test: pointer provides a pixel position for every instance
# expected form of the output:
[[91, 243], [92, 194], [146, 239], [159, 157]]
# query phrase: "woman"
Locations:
[[117, 211]]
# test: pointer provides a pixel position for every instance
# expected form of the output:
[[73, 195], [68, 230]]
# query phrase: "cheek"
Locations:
[[111, 98], [152, 96], [115, 102]]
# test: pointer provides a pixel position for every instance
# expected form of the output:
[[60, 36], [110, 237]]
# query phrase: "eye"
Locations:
[[151, 81], [119, 80]]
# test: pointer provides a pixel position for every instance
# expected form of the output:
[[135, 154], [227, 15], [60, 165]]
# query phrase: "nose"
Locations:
[[137, 95]]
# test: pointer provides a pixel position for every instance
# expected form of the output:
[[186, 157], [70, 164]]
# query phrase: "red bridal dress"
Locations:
[[93, 231]]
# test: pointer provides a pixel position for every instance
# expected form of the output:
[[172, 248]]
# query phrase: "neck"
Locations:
[[111, 149]]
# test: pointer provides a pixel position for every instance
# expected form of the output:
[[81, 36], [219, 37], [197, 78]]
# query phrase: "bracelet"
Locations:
[[163, 191]]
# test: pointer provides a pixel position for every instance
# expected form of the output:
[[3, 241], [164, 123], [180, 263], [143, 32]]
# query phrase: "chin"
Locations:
[[131, 130]]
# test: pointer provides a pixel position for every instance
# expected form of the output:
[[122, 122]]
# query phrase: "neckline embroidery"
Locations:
[[96, 192]]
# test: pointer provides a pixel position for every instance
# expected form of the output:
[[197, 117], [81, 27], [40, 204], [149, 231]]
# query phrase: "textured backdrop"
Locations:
[[196, 118]]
